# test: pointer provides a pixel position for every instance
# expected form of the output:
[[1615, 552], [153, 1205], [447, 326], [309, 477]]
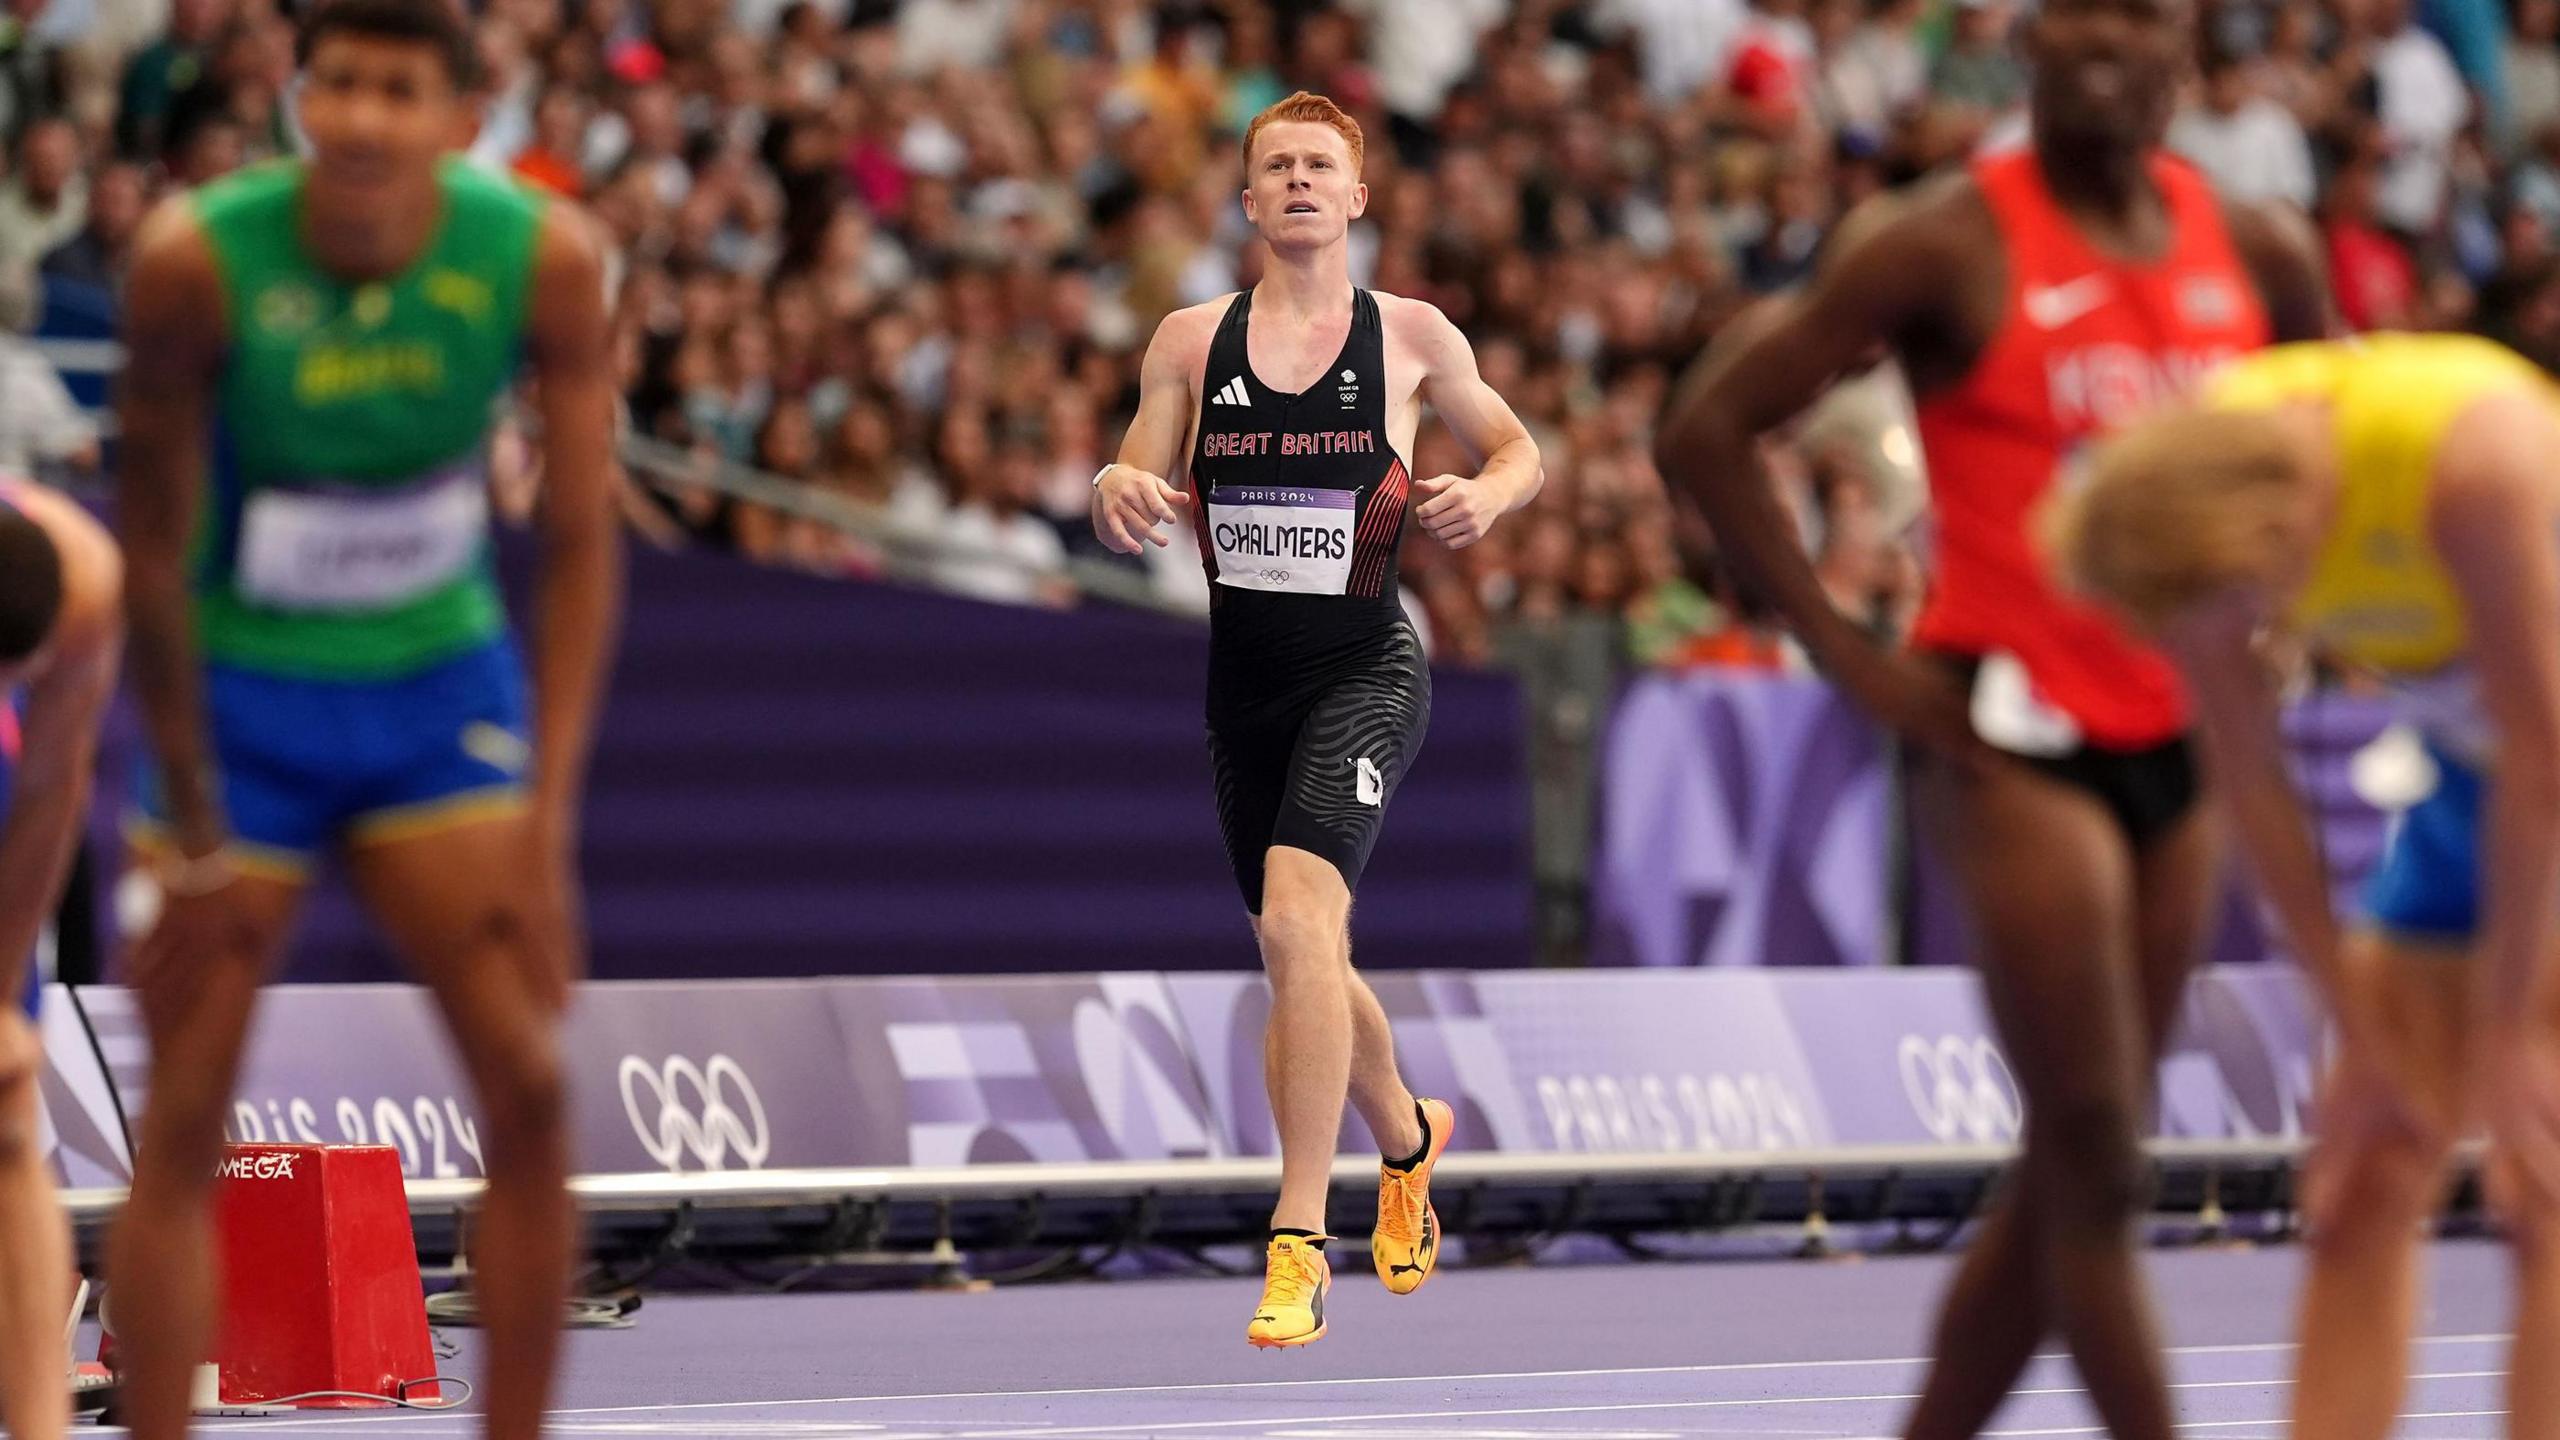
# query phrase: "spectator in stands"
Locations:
[[46, 200], [1869, 574], [1980, 72], [551, 158], [1879, 73], [162, 71], [32, 82], [2252, 146], [1667, 612], [251, 69], [96, 256], [205, 146], [1798, 211], [1567, 645], [41, 429], [2422, 104], [786, 447], [2532, 74], [2293, 73], [1001, 549], [2370, 271], [1682, 42], [935, 35], [510, 86], [1771, 72]]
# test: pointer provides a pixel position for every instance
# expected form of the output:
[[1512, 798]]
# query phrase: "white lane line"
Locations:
[[1623, 1407], [1195, 1387], [2238, 1424]]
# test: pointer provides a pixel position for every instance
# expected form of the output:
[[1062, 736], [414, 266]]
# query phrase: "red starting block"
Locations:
[[320, 1285]]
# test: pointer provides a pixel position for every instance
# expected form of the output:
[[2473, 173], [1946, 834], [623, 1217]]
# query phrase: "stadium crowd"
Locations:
[[909, 253]]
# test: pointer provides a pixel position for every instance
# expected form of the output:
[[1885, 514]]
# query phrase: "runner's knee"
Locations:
[[523, 1097], [1302, 923], [1298, 944], [2369, 1180], [2086, 1160], [505, 922], [20, 1057]]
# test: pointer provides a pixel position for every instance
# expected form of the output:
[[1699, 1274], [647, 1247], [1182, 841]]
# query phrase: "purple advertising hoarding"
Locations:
[[1748, 821], [749, 1075], [1744, 820], [1658, 1061], [799, 776]]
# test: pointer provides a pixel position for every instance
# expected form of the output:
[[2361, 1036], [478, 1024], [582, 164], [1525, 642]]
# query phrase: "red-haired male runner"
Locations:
[[1293, 405]]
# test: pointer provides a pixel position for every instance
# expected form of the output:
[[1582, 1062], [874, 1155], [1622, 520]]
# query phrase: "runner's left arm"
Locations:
[[578, 614], [49, 796], [2282, 253], [2242, 745], [2494, 517], [1457, 509]]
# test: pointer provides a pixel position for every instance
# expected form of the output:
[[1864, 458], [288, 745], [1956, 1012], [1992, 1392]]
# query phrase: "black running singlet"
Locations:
[[1301, 509], [1319, 693]]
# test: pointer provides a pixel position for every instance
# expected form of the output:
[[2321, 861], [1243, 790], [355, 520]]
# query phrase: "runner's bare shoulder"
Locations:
[[1181, 346], [173, 262], [1927, 265]]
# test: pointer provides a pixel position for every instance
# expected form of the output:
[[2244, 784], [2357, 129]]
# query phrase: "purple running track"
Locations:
[[1594, 1352]]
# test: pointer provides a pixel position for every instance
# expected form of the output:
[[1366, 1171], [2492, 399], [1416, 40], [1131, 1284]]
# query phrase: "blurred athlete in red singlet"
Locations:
[[2036, 300]]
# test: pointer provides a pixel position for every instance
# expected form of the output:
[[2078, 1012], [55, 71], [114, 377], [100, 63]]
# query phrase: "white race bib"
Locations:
[[305, 551], [2009, 715], [1279, 537]]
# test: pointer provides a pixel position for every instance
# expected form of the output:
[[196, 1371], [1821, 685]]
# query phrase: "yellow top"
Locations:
[[2379, 596]]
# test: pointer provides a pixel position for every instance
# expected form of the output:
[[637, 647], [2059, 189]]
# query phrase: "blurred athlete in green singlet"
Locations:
[[315, 352]]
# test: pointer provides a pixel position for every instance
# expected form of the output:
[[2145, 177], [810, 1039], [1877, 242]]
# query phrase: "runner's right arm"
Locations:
[[49, 795], [1885, 281], [2493, 514], [2245, 760], [1134, 495], [163, 407]]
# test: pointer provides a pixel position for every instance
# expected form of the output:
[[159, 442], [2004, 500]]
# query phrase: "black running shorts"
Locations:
[[2147, 792], [1315, 772]]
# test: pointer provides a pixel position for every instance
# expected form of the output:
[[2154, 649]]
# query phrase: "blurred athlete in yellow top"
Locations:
[[2394, 501]]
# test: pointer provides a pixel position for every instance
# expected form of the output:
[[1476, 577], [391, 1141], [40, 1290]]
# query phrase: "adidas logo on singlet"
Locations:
[[1232, 393]]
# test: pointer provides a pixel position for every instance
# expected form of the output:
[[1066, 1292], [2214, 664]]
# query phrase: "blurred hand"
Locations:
[[1128, 506], [1456, 510], [1921, 702], [193, 931], [2521, 1089]]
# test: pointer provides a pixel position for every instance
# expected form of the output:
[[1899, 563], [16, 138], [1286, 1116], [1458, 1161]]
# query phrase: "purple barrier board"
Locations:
[[1448, 1043], [1047, 1068], [1749, 821], [1619, 1062], [676, 1077], [1743, 822], [806, 777], [746, 1075]]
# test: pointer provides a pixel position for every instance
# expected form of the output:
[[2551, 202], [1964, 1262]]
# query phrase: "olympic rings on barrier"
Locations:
[[711, 1128], [1960, 1088]]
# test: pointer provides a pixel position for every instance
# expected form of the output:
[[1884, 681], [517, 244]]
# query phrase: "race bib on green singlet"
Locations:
[[1282, 537], [347, 550]]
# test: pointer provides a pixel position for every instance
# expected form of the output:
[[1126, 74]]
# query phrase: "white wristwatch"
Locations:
[[1105, 470]]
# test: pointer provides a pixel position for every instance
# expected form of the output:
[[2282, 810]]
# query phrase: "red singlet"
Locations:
[[2085, 345]]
